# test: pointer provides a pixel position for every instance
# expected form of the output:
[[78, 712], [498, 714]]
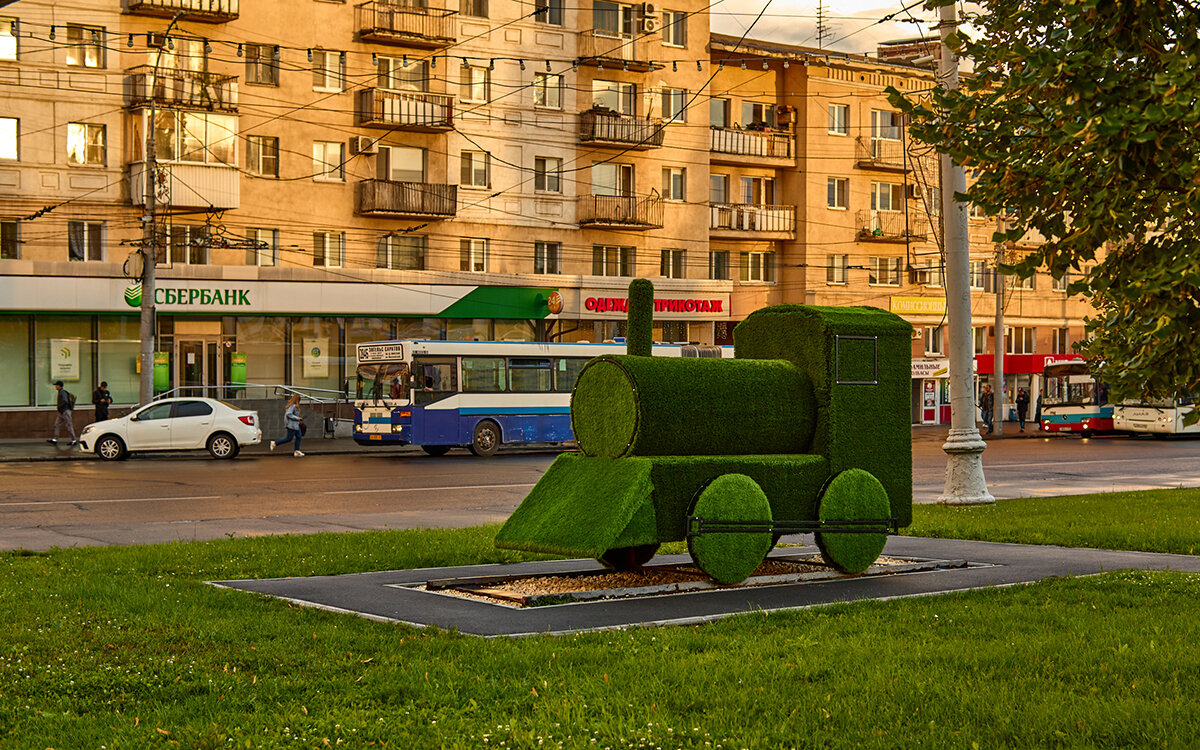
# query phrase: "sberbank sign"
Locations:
[[189, 297]]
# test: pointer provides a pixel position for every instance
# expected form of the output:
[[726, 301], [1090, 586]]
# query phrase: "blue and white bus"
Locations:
[[476, 394], [1162, 417]]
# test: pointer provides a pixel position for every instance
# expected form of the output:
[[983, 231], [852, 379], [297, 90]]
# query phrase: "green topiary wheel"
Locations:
[[730, 557], [852, 495]]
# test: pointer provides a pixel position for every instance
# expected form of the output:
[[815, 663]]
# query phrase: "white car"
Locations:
[[174, 424]]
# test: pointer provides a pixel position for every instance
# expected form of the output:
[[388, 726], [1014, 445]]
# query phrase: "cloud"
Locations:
[[851, 26]]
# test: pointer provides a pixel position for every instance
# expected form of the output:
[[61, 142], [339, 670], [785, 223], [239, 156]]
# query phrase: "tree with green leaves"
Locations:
[[1081, 122]]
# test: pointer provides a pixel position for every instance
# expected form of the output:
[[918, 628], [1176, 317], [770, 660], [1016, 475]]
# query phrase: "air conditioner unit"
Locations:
[[649, 25], [649, 9], [156, 41], [363, 144]]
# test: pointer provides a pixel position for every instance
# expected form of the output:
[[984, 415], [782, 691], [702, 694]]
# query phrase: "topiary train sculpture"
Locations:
[[805, 430]]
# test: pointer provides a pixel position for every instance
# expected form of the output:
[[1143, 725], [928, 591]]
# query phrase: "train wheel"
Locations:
[[852, 495], [731, 556], [627, 558]]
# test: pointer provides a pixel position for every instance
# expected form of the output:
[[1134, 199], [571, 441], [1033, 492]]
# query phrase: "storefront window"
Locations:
[[14, 353], [63, 351], [262, 341], [316, 354], [419, 329], [117, 350], [514, 330], [478, 329]]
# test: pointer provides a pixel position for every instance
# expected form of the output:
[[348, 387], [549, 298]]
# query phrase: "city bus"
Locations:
[[476, 394], [1156, 417], [1073, 400]]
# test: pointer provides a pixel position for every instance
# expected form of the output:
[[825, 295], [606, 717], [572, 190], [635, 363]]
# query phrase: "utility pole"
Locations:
[[998, 359], [965, 484]]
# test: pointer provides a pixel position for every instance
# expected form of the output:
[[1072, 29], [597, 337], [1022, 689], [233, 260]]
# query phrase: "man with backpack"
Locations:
[[66, 408]]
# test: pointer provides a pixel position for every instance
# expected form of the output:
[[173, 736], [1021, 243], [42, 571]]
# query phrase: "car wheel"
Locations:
[[110, 448], [486, 439], [222, 445]]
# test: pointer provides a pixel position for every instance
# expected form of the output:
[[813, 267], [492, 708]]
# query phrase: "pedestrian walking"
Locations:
[[1022, 406], [293, 423], [66, 410], [987, 403], [101, 398]]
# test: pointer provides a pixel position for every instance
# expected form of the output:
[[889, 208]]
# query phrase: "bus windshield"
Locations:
[[1068, 384], [380, 381]]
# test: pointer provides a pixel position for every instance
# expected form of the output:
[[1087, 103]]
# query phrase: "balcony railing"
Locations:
[[602, 128], [745, 217], [625, 211], [407, 199], [184, 89], [208, 11], [609, 50], [884, 154], [891, 226], [767, 144], [390, 23], [187, 185], [405, 110]]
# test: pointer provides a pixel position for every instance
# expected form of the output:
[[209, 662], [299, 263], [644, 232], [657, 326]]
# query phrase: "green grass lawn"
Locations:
[[128, 648]]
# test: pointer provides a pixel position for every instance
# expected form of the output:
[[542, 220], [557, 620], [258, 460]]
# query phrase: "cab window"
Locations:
[[155, 411], [192, 409]]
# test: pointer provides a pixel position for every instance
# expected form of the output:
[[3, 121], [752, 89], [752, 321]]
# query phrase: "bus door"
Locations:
[[435, 379]]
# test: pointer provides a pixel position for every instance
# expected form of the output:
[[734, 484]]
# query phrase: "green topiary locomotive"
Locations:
[[807, 429]]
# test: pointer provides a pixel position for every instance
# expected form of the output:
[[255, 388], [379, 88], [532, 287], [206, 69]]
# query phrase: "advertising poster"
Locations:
[[316, 358], [64, 359]]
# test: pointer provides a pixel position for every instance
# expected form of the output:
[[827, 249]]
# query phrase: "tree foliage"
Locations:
[[1081, 122]]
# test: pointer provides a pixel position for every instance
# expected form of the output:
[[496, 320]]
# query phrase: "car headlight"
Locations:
[[86, 430]]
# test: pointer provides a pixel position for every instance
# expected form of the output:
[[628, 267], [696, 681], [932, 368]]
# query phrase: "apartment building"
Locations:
[[375, 170]]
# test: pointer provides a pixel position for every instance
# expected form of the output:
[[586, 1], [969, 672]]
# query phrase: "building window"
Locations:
[[758, 191], [612, 179], [1061, 341], [884, 271], [674, 104], [674, 30], [979, 275], [1060, 284], [266, 247], [1020, 340], [838, 192], [475, 84], [835, 268], [977, 212], [194, 137], [394, 75], [85, 240], [671, 265], [547, 90], [329, 159], [473, 254], [675, 331], [547, 257], [758, 266], [718, 265], [718, 188], [933, 341], [401, 252], [549, 11], [188, 245], [615, 96], [85, 46], [547, 174], [9, 138], [1027, 283], [718, 113], [611, 260], [329, 249], [614, 19], [887, 196], [473, 8], [262, 155], [758, 115], [329, 70], [981, 337], [8, 38], [839, 119], [401, 164], [674, 183], [261, 66], [9, 247], [85, 144], [475, 169], [885, 125]]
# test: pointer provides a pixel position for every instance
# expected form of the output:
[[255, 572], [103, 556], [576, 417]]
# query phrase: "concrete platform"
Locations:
[[390, 597]]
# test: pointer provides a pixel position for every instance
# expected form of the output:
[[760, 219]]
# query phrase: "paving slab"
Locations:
[[392, 596]]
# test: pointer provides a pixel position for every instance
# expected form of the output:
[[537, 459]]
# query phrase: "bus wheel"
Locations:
[[1085, 434], [435, 450], [486, 439]]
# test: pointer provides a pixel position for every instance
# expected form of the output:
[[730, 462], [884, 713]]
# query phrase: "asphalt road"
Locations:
[[168, 498]]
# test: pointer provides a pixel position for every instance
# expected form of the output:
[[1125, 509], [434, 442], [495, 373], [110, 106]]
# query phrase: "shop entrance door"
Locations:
[[929, 403], [198, 366]]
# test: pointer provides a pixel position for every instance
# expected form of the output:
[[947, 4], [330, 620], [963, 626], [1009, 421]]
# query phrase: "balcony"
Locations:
[[881, 155], [388, 23], [606, 49], [407, 200], [186, 185], [607, 128], [182, 89], [890, 226], [205, 11], [738, 146], [406, 110], [749, 220], [620, 211]]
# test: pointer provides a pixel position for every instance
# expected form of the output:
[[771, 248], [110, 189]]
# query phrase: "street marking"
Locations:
[[429, 489], [125, 500], [1068, 463]]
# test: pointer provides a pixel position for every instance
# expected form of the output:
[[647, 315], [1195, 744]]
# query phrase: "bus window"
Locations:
[[379, 381], [483, 374], [434, 379], [529, 375], [566, 372]]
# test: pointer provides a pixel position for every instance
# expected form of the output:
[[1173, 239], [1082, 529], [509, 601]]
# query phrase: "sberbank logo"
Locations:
[[190, 297], [133, 295]]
